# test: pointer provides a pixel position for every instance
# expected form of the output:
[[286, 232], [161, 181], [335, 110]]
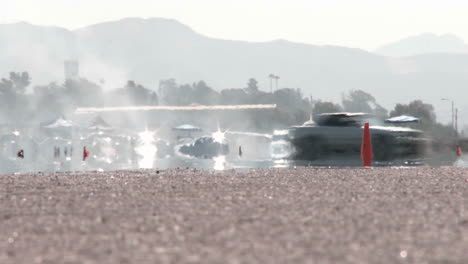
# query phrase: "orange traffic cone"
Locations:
[[366, 147], [85, 153], [459, 151]]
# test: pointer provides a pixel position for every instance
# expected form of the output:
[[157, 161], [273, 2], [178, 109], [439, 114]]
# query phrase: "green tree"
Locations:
[[14, 105], [185, 94], [416, 108], [16, 84], [293, 109], [321, 107], [50, 102], [140, 95], [82, 92], [205, 95], [252, 86], [234, 96], [20, 81], [133, 94], [169, 92], [360, 101]]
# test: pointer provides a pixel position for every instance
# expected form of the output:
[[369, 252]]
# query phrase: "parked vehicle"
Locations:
[[338, 136]]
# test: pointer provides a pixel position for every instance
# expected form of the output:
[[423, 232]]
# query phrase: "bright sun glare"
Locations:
[[146, 149], [219, 136]]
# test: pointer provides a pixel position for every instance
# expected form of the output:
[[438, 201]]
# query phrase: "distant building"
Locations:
[[72, 69]]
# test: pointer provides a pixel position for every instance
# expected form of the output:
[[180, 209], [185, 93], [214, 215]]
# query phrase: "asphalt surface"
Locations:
[[303, 215]]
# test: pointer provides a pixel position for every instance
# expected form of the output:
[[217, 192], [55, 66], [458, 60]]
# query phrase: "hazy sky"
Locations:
[[364, 24]]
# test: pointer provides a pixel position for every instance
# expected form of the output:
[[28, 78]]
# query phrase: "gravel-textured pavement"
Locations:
[[303, 215]]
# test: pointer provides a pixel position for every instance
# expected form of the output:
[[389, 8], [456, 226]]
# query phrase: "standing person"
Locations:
[[240, 151], [20, 154], [85, 153]]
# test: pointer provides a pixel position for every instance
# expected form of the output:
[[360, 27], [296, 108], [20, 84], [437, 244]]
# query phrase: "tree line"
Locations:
[[46, 102]]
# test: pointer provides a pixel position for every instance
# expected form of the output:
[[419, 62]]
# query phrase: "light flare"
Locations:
[[219, 136], [147, 149], [219, 163]]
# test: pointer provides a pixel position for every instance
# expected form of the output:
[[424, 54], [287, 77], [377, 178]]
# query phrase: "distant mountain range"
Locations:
[[424, 44], [149, 50]]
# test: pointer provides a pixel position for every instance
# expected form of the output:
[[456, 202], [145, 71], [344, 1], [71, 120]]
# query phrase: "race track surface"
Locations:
[[303, 215]]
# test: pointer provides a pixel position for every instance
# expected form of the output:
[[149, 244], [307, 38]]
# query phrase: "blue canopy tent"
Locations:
[[59, 123], [98, 124], [186, 130], [59, 127], [403, 119]]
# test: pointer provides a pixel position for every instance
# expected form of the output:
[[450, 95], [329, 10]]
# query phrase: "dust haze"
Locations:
[[126, 89]]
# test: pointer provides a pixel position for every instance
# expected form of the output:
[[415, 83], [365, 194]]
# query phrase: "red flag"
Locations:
[[85, 153]]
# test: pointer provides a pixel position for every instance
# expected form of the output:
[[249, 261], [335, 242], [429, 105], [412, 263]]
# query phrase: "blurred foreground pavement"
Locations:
[[314, 215]]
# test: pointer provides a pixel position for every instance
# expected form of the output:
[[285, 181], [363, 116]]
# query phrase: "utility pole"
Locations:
[[453, 111], [277, 78], [453, 116], [273, 77], [271, 85], [271, 82]]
